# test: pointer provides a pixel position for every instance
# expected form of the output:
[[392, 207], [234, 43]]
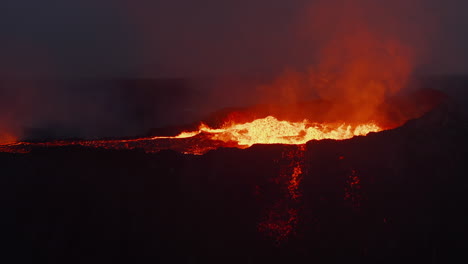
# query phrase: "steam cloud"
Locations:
[[365, 51], [350, 53]]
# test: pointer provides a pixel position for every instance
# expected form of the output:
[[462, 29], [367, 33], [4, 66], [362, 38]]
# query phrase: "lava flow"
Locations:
[[268, 130], [281, 218]]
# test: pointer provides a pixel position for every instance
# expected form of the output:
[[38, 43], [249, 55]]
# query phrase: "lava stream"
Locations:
[[268, 130]]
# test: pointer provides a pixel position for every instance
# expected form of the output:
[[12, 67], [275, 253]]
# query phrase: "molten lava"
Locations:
[[281, 219], [270, 130]]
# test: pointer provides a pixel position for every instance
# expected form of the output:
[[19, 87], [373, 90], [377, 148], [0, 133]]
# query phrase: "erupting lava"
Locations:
[[270, 130], [280, 220]]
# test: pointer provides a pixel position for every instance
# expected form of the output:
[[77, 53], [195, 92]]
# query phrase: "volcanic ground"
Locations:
[[397, 196]]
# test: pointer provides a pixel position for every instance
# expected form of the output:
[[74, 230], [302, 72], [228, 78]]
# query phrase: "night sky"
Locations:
[[101, 38]]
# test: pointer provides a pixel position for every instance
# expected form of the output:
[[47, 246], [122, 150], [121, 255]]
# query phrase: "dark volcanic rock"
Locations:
[[392, 197]]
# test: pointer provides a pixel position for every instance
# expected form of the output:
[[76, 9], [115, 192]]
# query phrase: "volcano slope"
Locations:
[[397, 196]]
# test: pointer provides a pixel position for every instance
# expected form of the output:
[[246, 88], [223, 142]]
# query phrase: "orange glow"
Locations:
[[281, 219], [270, 130], [353, 192], [6, 138], [280, 222], [294, 182]]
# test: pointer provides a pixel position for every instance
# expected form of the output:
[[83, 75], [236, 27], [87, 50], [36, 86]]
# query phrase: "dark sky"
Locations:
[[186, 37]]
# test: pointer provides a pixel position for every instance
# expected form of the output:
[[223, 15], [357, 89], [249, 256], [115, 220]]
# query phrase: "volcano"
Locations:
[[205, 193]]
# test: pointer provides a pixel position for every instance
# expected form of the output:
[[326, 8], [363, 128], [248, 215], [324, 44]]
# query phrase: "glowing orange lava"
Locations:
[[270, 130], [281, 219]]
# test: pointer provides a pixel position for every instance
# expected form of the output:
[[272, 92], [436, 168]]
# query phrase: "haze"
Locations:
[[204, 40]]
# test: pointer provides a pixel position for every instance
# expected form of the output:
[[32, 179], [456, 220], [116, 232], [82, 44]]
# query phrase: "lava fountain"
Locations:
[[268, 130]]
